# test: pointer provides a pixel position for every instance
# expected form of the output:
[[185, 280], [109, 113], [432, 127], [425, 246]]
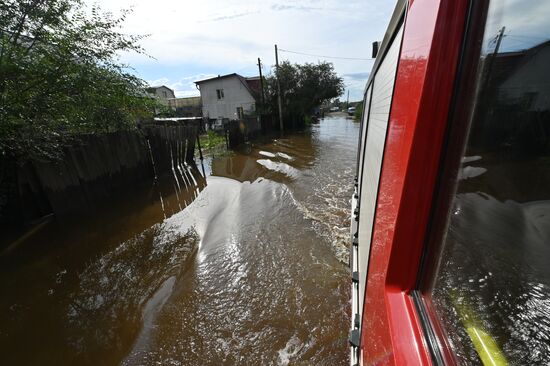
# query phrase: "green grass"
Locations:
[[211, 139]]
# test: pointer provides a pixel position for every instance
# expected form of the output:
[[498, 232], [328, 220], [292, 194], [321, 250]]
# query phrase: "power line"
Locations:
[[528, 37], [334, 57]]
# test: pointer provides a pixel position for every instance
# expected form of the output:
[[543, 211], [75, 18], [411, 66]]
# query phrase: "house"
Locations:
[[162, 93], [532, 71], [518, 91], [186, 107], [229, 96]]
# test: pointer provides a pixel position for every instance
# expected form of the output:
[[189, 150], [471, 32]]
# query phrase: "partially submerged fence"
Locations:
[[248, 128], [92, 169]]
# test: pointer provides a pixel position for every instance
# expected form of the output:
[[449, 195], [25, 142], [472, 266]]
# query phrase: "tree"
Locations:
[[303, 87], [60, 75], [358, 111]]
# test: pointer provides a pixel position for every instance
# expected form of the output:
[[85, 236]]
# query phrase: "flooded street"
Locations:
[[246, 268]]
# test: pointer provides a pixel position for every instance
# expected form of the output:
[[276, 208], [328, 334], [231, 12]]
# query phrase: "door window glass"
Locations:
[[490, 290]]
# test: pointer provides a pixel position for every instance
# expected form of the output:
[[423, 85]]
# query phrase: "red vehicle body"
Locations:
[[395, 323]]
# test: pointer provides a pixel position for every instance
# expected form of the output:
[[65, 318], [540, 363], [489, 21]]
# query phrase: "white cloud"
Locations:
[[218, 36]]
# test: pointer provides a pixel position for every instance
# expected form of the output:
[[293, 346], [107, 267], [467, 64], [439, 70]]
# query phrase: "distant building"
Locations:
[[162, 93], [186, 107], [229, 96]]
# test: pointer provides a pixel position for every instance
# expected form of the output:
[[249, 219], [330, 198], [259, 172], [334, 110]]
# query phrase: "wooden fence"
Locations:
[[93, 169]]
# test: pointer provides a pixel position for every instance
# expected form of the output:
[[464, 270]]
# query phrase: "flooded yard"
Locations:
[[245, 267]]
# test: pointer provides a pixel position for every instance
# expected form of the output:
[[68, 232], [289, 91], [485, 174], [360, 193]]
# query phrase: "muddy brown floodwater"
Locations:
[[245, 268]]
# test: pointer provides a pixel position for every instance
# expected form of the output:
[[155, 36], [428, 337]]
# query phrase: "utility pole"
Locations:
[[261, 92], [486, 89], [261, 81], [347, 103], [279, 89], [499, 39], [491, 60]]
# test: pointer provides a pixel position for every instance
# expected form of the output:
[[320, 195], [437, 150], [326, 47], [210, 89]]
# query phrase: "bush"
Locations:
[[59, 76], [211, 139], [303, 87]]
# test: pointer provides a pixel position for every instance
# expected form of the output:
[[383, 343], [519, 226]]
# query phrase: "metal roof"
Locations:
[[218, 77], [175, 119]]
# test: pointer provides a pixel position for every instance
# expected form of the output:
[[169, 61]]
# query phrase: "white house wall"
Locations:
[[235, 95]]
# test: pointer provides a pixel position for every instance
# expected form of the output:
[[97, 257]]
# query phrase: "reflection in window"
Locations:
[[491, 291]]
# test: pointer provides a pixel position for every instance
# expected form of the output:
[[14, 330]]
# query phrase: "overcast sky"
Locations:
[[192, 40]]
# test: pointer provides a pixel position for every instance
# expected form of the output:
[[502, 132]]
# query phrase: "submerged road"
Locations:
[[247, 268]]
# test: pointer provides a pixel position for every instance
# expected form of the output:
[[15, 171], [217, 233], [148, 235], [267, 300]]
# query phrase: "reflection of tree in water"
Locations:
[[115, 287]]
